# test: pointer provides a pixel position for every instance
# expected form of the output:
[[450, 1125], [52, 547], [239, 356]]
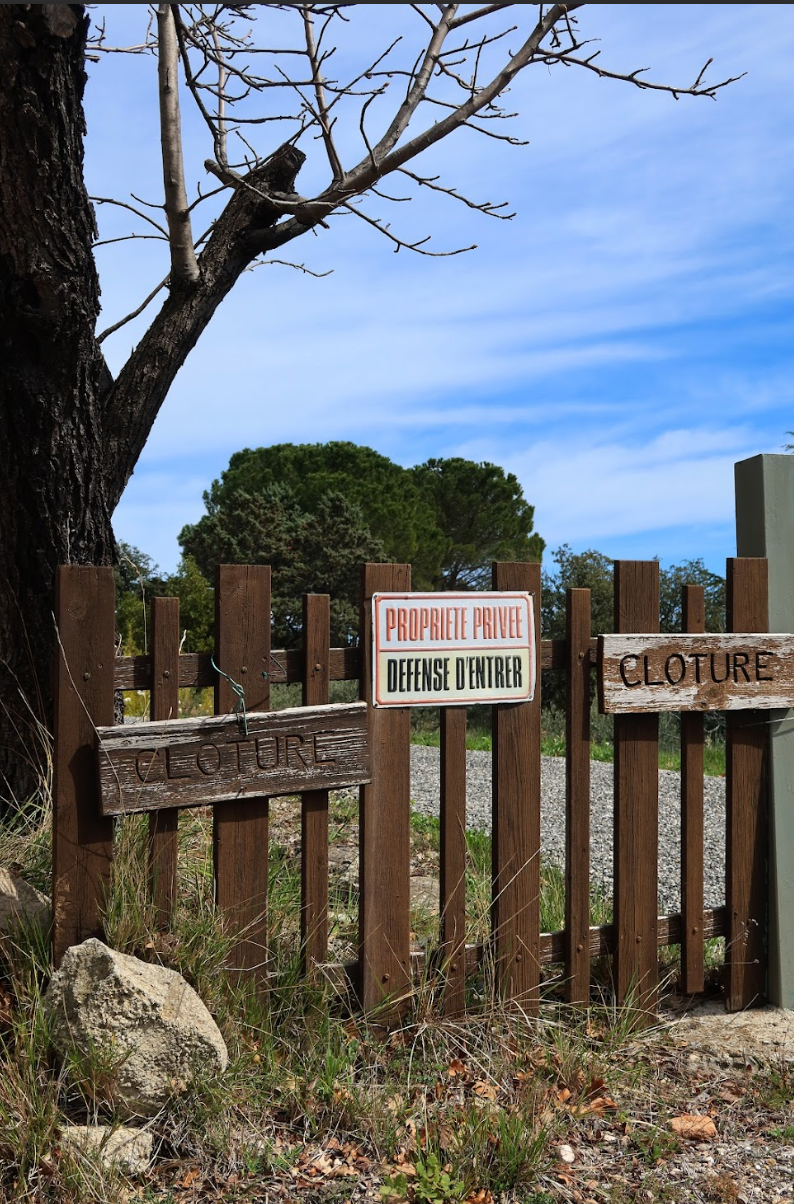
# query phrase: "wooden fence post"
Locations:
[[746, 817], [82, 839], [242, 656], [453, 857], [515, 907], [577, 794], [692, 937], [636, 839], [384, 821], [314, 803], [765, 527], [163, 825]]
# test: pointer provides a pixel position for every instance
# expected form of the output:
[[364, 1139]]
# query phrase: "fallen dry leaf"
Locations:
[[696, 1128], [485, 1090]]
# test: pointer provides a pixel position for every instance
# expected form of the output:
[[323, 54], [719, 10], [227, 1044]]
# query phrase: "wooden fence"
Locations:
[[88, 673]]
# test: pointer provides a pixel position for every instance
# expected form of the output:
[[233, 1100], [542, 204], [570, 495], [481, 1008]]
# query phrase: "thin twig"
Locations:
[[108, 200], [401, 244], [123, 321]]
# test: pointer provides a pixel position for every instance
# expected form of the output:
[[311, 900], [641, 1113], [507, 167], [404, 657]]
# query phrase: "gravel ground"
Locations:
[[425, 796]]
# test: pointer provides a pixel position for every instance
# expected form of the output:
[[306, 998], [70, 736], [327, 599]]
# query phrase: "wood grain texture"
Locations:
[[636, 815], [693, 599], [732, 672], [515, 907], [384, 827], [205, 761], [577, 798], [747, 824], [164, 825], [82, 838], [240, 829], [196, 671], [453, 856], [314, 804]]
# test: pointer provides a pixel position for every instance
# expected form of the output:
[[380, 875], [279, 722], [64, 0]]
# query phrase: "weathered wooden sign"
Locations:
[[194, 762], [453, 648], [730, 672]]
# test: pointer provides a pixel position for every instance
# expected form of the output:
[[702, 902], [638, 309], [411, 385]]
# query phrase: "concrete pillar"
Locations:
[[765, 527]]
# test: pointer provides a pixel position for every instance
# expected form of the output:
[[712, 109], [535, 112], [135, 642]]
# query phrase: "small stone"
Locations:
[[21, 903], [128, 1149], [144, 1023], [566, 1153]]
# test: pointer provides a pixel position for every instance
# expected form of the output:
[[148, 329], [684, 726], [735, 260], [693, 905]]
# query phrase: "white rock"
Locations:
[[142, 1023], [21, 903], [566, 1153], [128, 1149]]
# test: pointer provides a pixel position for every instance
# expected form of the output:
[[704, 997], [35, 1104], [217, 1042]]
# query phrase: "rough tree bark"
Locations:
[[56, 503]]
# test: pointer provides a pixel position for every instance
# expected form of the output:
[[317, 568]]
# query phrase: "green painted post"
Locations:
[[765, 527]]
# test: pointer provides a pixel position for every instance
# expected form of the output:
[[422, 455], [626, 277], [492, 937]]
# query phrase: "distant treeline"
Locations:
[[315, 512]]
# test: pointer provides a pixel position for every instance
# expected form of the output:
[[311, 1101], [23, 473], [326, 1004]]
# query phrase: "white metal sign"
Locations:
[[453, 649]]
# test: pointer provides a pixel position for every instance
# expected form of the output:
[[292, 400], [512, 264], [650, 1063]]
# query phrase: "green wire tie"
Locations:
[[239, 709]]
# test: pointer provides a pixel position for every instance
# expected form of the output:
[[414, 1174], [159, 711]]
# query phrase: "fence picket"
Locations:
[[384, 822], [746, 817], [515, 838], [577, 791], [692, 943], [163, 825], [314, 803], [636, 819], [453, 856], [82, 840], [240, 834]]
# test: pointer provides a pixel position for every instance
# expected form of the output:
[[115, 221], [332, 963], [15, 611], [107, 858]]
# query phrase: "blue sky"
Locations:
[[618, 345]]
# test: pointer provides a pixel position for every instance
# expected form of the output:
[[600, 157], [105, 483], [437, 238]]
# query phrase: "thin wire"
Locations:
[[239, 709]]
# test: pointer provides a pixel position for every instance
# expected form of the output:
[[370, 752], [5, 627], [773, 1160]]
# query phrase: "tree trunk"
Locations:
[[54, 506], [69, 435]]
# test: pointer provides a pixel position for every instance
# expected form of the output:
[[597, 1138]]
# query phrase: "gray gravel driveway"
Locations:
[[425, 797]]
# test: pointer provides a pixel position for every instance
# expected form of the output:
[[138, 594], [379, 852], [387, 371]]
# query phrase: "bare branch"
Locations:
[[123, 321], [107, 242], [192, 83], [287, 263], [400, 243], [399, 123], [184, 266], [486, 207], [319, 92], [633, 77], [108, 200], [220, 141], [360, 179], [479, 12]]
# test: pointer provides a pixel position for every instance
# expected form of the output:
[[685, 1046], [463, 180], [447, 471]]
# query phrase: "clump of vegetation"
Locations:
[[410, 1107]]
